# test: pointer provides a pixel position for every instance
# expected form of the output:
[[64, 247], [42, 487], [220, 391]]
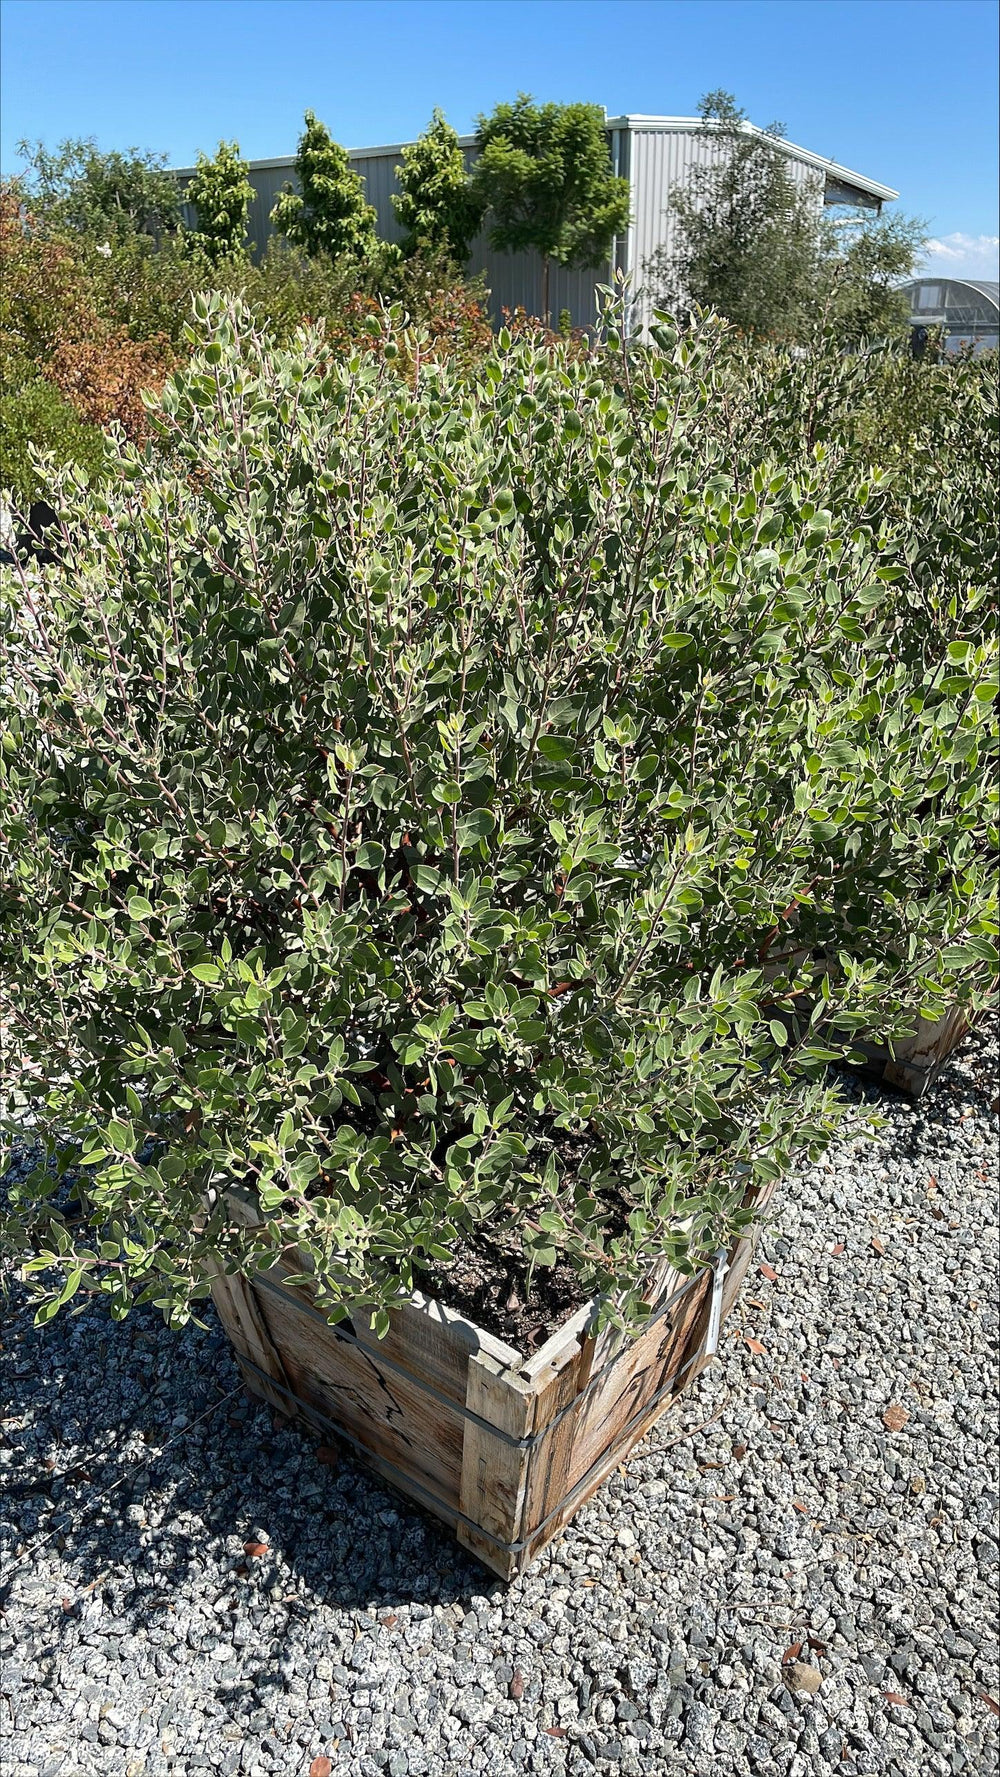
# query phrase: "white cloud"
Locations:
[[962, 256]]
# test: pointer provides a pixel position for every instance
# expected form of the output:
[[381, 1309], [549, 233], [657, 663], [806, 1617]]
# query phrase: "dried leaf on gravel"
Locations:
[[321, 1767], [835, 1251], [896, 1700], [517, 1687], [894, 1418], [769, 1272], [255, 1549], [877, 1245], [755, 1345], [991, 1701], [791, 1653]]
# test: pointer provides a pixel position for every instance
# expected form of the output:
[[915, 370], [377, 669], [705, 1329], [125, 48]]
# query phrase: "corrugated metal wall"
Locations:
[[654, 157], [513, 279], [660, 160]]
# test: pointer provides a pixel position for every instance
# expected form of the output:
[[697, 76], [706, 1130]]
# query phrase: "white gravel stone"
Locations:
[[653, 1636]]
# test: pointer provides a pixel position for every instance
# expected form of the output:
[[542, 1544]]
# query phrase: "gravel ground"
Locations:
[[140, 1638]]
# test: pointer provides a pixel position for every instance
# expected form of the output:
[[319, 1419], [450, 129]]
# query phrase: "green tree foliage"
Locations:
[[864, 265], [752, 243], [329, 213], [443, 826], [436, 202], [80, 189], [545, 181], [221, 193], [746, 239]]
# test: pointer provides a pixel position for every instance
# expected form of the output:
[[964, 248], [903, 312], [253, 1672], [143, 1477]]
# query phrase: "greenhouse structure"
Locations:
[[966, 310]]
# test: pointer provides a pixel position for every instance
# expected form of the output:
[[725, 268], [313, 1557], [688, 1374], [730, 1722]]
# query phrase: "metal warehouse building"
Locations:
[[967, 311], [654, 153]]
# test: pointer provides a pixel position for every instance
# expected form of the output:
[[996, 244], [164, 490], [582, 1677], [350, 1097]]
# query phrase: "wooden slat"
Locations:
[[426, 1337], [919, 1059], [494, 1470], [550, 1463], [682, 1363], [247, 1327], [641, 1369], [389, 1413]]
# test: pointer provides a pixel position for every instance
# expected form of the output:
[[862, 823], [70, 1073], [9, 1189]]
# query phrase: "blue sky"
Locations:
[[903, 90]]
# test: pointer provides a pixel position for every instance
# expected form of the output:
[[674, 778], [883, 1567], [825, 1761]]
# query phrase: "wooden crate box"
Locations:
[[916, 1060], [502, 1447]]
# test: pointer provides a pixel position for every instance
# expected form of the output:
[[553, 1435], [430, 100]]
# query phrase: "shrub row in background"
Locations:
[[427, 795], [98, 272]]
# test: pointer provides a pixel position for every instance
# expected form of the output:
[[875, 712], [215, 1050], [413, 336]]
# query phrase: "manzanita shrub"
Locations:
[[462, 802]]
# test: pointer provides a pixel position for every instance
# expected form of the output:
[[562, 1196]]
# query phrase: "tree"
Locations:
[[221, 194], [437, 203], [746, 237], [757, 246], [329, 214], [78, 188], [545, 180], [865, 265]]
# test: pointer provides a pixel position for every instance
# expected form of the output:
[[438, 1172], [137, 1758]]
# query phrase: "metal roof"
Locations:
[[636, 121], [988, 288]]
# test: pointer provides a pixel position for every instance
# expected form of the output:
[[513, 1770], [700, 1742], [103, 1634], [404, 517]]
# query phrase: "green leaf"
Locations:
[[370, 856], [426, 879], [555, 746], [121, 1137]]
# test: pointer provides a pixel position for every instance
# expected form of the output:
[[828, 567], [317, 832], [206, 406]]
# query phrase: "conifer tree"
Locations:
[[329, 212], [221, 194]]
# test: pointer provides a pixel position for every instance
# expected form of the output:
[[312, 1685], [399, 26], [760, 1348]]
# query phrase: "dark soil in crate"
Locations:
[[485, 1282]]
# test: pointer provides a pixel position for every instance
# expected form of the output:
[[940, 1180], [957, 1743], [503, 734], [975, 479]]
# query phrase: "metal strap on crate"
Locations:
[[382, 1359], [721, 1268], [443, 1507]]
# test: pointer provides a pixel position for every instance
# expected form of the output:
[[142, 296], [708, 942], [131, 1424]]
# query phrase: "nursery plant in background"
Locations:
[[436, 203], [545, 182], [425, 798], [758, 246], [76, 188], [34, 417], [221, 193], [329, 213]]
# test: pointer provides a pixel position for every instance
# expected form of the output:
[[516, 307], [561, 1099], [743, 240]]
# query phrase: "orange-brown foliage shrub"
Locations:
[[104, 376]]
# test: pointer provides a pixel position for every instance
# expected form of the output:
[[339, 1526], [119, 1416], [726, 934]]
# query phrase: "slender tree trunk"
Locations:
[[545, 289]]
